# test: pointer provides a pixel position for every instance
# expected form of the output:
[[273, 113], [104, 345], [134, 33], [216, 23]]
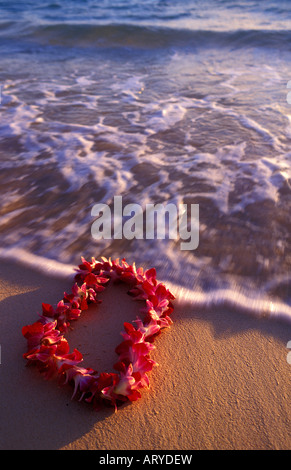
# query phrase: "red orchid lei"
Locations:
[[49, 350]]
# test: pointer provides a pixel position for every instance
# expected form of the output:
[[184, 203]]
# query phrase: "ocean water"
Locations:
[[157, 102]]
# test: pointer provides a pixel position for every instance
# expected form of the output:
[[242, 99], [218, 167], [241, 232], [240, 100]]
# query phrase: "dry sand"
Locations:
[[223, 380]]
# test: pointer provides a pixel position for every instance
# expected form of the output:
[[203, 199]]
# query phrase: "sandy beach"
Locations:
[[223, 380]]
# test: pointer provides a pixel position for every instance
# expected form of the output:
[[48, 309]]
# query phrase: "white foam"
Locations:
[[164, 115], [131, 88], [248, 303], [236, 299]]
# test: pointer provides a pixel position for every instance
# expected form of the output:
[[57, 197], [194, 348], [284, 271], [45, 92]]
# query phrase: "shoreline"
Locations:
[[223, 380]]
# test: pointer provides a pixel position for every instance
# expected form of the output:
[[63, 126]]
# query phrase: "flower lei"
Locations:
[[48, 349]]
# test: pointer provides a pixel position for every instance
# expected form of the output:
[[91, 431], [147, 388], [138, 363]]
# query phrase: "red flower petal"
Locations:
[[49, 350]]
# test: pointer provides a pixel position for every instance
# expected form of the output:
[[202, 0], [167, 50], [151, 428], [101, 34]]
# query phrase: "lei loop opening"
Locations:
[[48, 349]]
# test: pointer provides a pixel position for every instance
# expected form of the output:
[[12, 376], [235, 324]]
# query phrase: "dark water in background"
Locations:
[[181, 102]]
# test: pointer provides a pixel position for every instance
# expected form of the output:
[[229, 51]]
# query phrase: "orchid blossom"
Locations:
[[48, 349]]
